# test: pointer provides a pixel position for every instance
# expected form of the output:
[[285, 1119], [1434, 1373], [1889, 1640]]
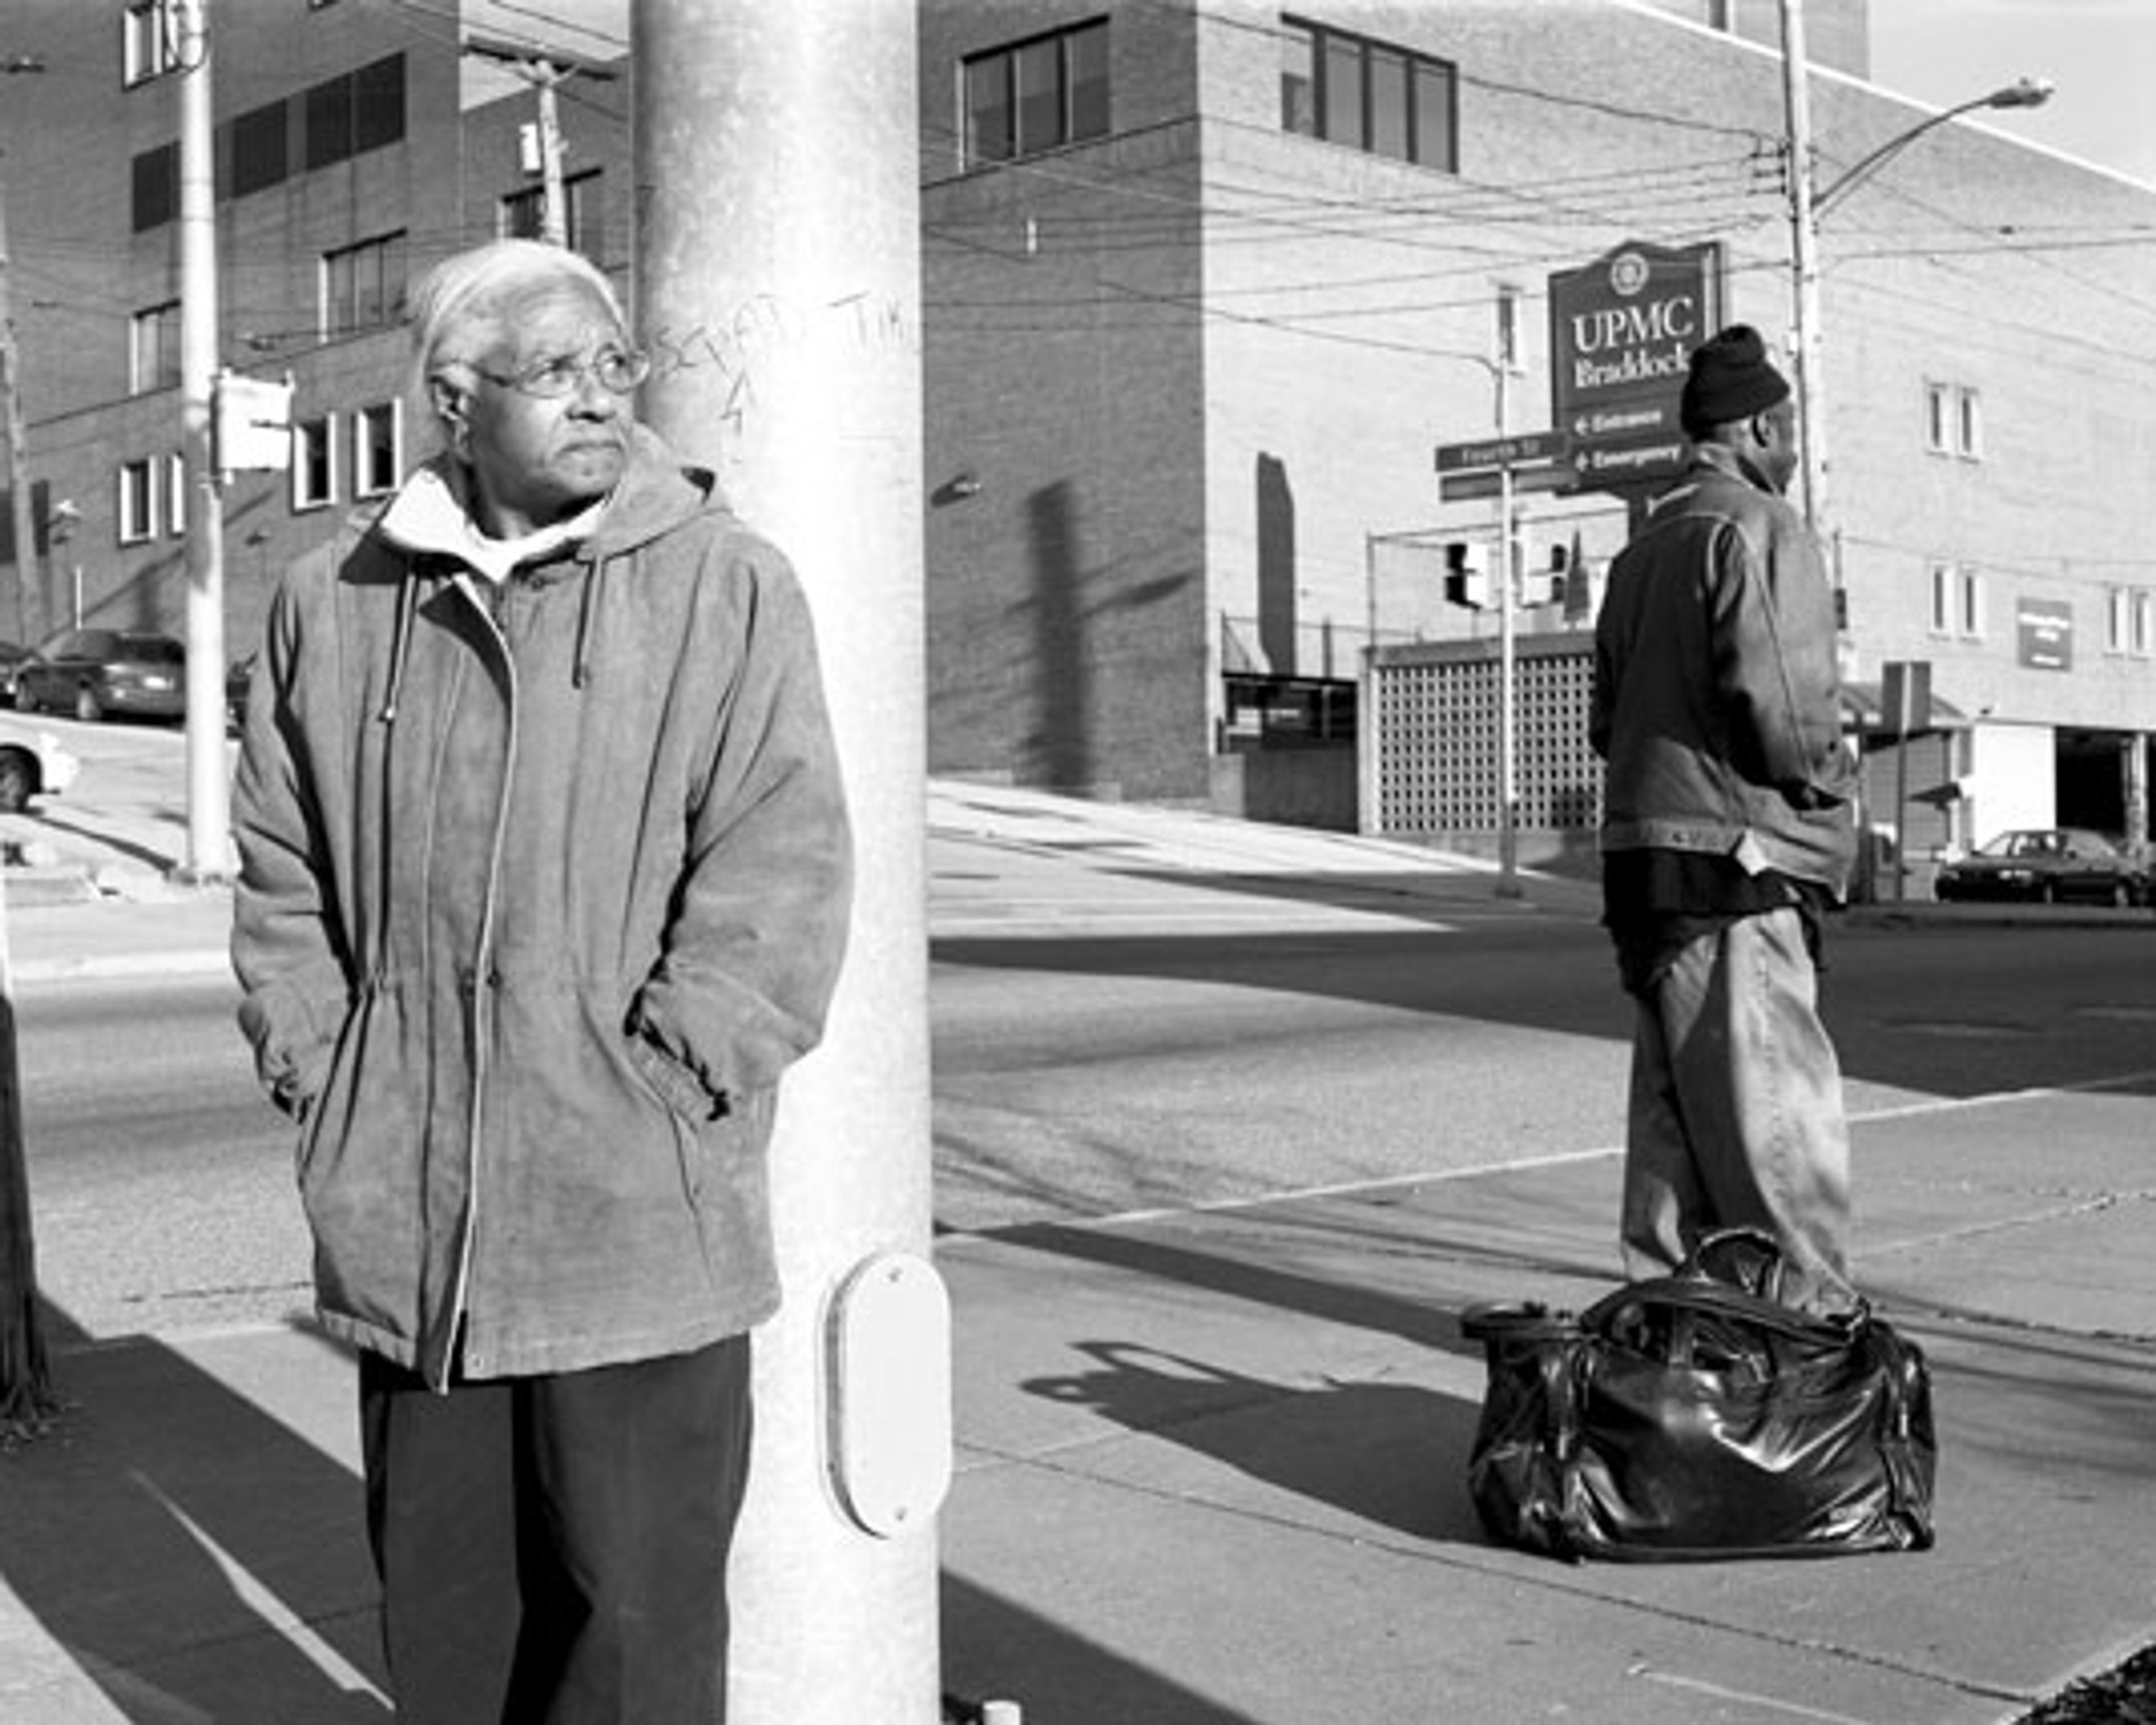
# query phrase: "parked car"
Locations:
[[239, 678], [12, 654], [31, 764], [2047, 866], [92, 672]]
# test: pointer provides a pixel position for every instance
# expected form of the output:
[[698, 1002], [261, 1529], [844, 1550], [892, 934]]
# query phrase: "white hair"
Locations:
[[458, 310]]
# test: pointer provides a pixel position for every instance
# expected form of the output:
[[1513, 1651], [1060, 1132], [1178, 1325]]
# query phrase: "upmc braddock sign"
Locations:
[[1622, 331]]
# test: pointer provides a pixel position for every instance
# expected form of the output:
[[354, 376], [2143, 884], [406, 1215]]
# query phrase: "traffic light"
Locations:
[[1466, 574]]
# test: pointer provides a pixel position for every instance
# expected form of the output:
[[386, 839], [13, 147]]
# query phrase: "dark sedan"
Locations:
[[2046, 865], [92, 672]]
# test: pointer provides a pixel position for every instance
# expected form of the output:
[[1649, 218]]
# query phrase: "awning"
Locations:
[[1863, 710]]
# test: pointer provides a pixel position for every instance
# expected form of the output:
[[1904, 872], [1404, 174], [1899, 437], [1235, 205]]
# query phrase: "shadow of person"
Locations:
[[183, 1549], [1387, 1453]]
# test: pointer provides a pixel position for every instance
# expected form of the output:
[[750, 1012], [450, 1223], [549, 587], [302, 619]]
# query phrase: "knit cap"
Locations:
[[1731, 378]]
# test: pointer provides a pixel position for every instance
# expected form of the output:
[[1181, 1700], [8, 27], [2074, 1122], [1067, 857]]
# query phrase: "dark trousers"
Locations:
[[553, 1550]]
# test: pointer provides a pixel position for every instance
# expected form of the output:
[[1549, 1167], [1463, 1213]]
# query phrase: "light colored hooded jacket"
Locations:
[[541, 887]]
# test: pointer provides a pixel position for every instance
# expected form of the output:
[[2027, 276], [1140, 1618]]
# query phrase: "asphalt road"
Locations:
[[1083, 1078]]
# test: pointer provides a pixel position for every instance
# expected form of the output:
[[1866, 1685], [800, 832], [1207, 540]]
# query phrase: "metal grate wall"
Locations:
[[1430, 745]]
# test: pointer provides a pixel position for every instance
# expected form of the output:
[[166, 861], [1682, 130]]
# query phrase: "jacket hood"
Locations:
[[430, 515]]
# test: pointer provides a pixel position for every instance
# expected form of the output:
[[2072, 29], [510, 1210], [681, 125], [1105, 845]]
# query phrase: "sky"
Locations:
[[2100, 53]]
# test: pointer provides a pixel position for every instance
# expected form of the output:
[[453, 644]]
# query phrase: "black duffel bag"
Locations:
[[1697, 1415]]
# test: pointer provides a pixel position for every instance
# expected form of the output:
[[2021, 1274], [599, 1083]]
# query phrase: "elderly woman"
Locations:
[[544, 880]]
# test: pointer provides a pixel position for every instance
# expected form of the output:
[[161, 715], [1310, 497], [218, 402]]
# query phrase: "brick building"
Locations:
[[1198, 319], [1205, 283], [356, 144]]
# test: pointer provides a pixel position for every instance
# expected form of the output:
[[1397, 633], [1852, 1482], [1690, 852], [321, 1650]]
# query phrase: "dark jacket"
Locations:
[[1716, 701], [541, 889]]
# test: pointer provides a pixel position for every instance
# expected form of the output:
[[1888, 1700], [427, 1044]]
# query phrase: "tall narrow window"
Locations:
[[175, 495], [153, 344], [145, 41], [1968, 425], [1938, 418], [137, 500], [1299, 80], [313, 462], [1970, 591], [1037, 94], [376, 449], [1943, 599]]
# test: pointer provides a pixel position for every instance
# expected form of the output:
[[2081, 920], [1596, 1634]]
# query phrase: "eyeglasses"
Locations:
[[619, 369]]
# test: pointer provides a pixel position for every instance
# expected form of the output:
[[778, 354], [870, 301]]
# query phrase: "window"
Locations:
[[253, 152], [153, 349], [1368, 95], [377, 105], [360, 110], [146, 30], [156, 198], [362, 286], [376, 449], [175, 495], [523, 214], [1957, 600], [138, 501], [2130, 621], [1037, 96], [313, 462], [1953, 421]]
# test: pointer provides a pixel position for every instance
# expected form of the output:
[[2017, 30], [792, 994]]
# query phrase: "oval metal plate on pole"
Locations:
[[779, 284]]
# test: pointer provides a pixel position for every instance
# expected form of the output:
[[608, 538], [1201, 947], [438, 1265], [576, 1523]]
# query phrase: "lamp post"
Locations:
[[1807, 204]]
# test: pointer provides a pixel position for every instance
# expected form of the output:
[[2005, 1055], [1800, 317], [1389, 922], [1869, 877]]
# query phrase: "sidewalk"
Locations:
[[1211, 1466]]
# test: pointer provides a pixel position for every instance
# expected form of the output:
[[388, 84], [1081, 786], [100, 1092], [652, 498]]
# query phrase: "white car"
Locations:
[[31, 764]]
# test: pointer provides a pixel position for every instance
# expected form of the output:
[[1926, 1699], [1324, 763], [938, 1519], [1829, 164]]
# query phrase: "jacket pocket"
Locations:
[[673, 1083]]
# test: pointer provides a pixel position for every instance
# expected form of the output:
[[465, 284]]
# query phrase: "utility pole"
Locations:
[[553, 207], [1511, 361], [546, 73], [779, 196], [18, 458], [209, 794], [1803, 252]]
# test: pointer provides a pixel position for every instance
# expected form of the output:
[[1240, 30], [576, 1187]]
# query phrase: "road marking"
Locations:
[[1431, 1177]]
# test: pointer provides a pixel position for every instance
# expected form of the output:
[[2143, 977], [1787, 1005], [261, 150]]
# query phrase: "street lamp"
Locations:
[[1804, 208], [2022, 93]]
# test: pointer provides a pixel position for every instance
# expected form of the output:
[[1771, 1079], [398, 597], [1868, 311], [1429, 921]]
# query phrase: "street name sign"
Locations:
[[1527, 449]]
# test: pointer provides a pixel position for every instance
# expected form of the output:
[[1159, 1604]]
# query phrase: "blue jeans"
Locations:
[[1736, 1117]]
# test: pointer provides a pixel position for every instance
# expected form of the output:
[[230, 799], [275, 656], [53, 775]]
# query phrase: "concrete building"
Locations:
[[1207, 285], [1198, 321]]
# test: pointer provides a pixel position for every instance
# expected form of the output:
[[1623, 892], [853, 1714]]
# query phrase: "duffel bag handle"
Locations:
[[1748, 1258]]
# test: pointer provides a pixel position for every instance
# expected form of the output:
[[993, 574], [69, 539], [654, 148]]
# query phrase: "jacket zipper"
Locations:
[[483, 984]]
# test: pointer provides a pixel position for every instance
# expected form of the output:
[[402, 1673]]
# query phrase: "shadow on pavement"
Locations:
[[188, 1552], [1374, 1451], [994, 1648]]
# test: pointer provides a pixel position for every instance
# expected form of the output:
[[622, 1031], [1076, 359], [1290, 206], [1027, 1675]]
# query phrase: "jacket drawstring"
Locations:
[[400, 643], [587, 621]]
